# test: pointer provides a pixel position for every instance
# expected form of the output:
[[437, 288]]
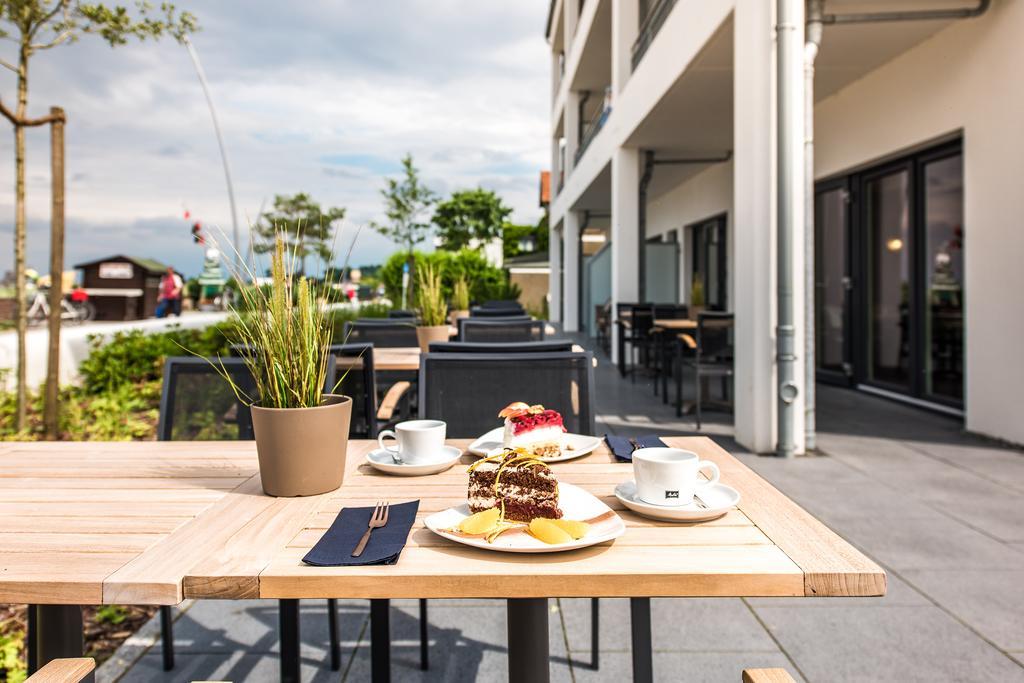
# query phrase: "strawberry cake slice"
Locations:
[[534, 429]]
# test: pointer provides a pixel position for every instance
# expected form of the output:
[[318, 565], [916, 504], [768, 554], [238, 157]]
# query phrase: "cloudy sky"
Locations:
[[322, 96]]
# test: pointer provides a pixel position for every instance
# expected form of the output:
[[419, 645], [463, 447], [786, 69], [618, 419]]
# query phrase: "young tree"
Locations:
[[37, 25], [470, 218], [406, 203], [306, 228]]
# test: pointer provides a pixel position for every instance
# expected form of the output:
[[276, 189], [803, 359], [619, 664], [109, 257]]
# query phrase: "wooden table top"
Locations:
[[156, 522], [675, 323]]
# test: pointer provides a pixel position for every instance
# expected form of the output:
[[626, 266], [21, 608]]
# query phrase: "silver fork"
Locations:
[[378, 519]]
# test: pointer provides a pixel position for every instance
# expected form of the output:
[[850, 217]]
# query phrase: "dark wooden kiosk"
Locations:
[[122, 287]]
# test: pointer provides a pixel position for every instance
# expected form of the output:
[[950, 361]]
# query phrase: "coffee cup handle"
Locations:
[[382, 436], [715, 476]]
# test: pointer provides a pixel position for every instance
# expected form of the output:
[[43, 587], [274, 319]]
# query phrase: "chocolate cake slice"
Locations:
[[517, 482]]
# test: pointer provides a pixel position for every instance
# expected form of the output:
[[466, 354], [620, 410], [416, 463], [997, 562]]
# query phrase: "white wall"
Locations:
[[966, 77], [707, 194]]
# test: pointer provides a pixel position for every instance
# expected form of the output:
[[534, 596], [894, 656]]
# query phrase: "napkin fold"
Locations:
[[623, 450], [334, 549]]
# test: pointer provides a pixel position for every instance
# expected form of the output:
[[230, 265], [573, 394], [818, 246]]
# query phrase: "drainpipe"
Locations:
[[812, 41], [789, 19]]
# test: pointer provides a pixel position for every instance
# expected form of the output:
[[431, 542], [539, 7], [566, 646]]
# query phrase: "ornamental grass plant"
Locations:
[[460, 294], [430, 297]]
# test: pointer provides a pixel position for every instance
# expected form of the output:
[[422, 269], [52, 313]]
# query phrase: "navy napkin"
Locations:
[[334, 549], [623, 449]]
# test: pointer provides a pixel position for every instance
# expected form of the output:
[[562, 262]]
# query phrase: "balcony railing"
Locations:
[[590, 132], [649, 28]]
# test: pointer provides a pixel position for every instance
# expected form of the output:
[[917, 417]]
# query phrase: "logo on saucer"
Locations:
[[672, 494]]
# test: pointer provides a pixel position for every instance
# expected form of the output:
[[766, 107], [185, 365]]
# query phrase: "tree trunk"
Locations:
[[21, 322], [50, 412]]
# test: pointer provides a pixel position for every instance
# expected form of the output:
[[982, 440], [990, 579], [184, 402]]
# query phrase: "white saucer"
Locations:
[[574, 445], [719, 499], [382, 460]]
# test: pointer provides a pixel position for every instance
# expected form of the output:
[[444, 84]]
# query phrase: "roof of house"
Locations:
[[146, 264], [535, 258], [545, 188]]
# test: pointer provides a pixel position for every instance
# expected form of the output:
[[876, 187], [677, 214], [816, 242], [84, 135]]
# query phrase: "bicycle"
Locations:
[[77, 309]]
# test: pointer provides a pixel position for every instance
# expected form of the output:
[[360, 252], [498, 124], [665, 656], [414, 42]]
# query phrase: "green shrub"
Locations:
[[486, 281]]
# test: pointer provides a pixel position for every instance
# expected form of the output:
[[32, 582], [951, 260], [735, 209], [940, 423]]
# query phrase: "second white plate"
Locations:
[[574, 445]]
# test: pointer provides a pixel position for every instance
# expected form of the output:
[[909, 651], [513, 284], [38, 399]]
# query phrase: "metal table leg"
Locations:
[[332, 629], [288, 615], [640, 621], [58, 633], [528, 640], [380, 640]]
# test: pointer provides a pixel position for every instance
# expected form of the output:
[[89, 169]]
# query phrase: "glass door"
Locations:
[[708, 265], [832, 281]]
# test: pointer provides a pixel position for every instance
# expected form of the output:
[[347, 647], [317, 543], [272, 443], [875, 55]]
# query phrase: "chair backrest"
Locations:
[[401, 314], [715, 336], [467, 390], [671, 311], [496, 312], [501, 303], [503, 319], [356, 373], [198, 404], [642, 319], [389, 334], [548, 346], [504, 331]]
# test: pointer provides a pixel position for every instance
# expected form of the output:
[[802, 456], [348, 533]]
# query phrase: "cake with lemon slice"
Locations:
[[535, 429], [515, 482]]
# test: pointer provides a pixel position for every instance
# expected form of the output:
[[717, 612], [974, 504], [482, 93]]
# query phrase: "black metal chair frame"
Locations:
[[172, 368], [408, 330], [546, 346], [534, 328], [496, 319], [365, 353], [495, 312], [704, 366]]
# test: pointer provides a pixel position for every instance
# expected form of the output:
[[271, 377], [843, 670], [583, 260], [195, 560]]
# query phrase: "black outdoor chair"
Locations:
[[460, 388], [197, 403], [507, 331], [712, 357], [501, 303], [502, 319], [662, 344], [495, 311], [360, 382], [635, 322], [548, 346], [401, 314], [383, 335]]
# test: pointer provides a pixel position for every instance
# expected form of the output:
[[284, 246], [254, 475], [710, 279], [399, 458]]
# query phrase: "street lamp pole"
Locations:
[[220, 143]]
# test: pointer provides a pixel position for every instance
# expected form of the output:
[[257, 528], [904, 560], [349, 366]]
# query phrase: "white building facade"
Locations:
[[665, 141]]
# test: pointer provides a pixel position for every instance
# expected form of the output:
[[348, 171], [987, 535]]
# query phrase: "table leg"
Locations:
[[380, 640], [30, 641], [528, 640], [424, 637], [640, 621], [167, 637], [332, 629], [288, 615], [58, 633]]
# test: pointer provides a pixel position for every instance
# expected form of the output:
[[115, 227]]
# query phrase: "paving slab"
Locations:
[[991, 601], [676, 667], [235, 666], [876, 644]]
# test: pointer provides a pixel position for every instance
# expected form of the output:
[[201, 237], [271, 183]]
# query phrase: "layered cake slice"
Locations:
[[534, 429], [516, 482]]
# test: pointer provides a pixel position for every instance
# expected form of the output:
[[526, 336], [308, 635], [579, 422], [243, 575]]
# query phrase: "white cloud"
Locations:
[[319, 96]]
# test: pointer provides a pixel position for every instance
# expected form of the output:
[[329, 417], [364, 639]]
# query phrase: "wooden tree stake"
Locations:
[[50, 411]]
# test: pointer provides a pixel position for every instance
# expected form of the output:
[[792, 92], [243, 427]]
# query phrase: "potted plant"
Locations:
[[433, 325], [460, 300], [301, 430], [696, 297]]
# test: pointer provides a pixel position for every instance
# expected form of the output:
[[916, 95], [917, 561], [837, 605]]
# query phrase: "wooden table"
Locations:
[[157, 522], [675, 324]]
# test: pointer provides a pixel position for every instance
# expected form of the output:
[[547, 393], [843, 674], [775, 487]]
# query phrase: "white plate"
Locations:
[[575, 503], [719, 499], [382, 460], [580, 443]]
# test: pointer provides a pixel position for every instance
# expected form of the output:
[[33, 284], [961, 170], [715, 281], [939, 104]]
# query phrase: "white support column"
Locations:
[[625, 235], [754, 224], [571, 249], [554, 276], [572, 17], [572, 129], [625, 23]]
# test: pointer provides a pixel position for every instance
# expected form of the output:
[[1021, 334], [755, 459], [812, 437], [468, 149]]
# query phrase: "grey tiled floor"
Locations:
[[943, 512]]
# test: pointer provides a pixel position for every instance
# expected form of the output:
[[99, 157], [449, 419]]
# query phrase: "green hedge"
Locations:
[[485, 280]]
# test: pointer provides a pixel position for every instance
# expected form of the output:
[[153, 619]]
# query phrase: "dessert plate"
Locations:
[[573, 446], [575, 503], [718, 498], [382, 460]]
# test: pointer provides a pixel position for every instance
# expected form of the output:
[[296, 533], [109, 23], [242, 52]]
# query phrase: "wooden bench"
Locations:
[[64, 671], [767, 676]]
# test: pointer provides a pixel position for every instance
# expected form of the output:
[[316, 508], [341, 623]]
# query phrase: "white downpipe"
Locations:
[[812, 42]]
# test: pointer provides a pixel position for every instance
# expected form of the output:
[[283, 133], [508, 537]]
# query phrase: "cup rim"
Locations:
[[650, 455], [419, 425]]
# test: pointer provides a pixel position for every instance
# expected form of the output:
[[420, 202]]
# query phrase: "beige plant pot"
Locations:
[[302, 450], [456, 315], [431, 333]]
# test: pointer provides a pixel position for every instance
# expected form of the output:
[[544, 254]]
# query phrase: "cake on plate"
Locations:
[[535, 429], [517, 483]]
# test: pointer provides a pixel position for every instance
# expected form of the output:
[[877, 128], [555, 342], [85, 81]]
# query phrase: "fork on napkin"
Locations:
[[385, 545]]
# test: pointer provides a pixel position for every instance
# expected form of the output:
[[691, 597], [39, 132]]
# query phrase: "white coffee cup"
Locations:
[[418, 440], [668, 476]]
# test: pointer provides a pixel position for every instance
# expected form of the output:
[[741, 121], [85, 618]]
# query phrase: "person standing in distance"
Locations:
[[171, 288]]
